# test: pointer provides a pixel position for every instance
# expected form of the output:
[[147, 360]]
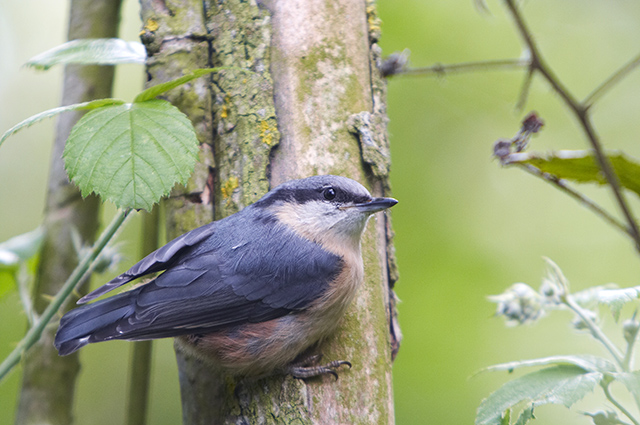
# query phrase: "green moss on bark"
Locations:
[[246, 129]]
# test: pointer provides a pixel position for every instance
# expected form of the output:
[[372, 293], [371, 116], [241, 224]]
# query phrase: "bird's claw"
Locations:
[[309, 367]]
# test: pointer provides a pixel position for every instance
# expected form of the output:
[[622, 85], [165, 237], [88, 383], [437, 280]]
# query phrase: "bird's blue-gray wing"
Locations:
[[157, 261], [221, 282]]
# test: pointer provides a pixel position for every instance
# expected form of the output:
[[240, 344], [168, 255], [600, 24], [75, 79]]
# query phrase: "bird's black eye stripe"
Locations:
[[329, 193]]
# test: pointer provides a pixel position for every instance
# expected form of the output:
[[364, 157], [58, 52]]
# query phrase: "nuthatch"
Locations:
[[251, 292]]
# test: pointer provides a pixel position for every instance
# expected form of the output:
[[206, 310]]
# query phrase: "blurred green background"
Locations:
[[466, 227]]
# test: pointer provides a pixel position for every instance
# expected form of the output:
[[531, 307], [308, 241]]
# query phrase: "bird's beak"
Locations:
[[375, 205]]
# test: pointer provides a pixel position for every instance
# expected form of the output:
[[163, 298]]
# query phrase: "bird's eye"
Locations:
[[329, 193]]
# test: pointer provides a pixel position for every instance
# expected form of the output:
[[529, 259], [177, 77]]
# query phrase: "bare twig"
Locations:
[[524, 91], [492, 65], [615, 78], [588, 203], [538, 64]]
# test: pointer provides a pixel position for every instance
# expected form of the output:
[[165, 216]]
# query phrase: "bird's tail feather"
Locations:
[[94, 322]]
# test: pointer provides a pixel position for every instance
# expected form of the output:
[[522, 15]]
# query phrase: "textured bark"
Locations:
[[314, 104], [48, 382]]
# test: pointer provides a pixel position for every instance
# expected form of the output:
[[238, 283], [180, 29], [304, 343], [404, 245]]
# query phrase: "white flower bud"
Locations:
[[519, 304]]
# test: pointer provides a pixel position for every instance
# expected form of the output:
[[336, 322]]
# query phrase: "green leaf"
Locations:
[[15, 252], [20, 248], [506, 418], [586, 362], [131, 154], [588, 298], [561, 384], [615, 298], [56, 111], [581, 166], [525, 416], [96, 51]]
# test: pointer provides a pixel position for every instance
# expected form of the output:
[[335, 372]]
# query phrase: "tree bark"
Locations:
[[314, 103], [48, 383]]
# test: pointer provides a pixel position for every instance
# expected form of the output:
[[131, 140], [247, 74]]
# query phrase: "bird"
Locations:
[[251, 294]]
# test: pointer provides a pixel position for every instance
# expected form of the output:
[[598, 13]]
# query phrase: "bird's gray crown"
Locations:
[[335, 189]]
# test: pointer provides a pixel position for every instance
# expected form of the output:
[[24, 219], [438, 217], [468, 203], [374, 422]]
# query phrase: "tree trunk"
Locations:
[[48, 382], [313, 104]]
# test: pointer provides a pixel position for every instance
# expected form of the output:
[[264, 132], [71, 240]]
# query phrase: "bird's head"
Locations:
[[325, 209]]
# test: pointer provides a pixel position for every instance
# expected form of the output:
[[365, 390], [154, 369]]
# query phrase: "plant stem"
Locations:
[[610, 174], [615, 78], [620, 407], [588, 203], [595, 330], [82, 271], [440, 69]]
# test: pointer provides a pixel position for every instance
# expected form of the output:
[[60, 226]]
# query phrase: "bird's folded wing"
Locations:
[[157, 261]]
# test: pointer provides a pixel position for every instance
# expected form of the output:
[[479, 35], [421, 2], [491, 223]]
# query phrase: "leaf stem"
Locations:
[[597, 333], [490, 65], [620, 407], [82, 271]]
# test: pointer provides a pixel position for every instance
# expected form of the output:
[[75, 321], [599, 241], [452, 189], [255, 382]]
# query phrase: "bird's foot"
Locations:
[[309, 367]]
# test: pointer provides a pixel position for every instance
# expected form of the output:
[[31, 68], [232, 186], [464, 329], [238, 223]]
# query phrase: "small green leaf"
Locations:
[[20, 248], [525, 416], [56, 111], [555, 275], [131, 154], [581, 166], [158, 89], [561, 384], [96, 51], [615, 298], [506, 417], [588, 298], [586, 362]]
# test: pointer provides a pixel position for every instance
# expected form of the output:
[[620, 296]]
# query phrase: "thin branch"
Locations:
[[581, 112], [582, 199], [614, 79], [620, 407], [492, 65], [82, 271], [537, 62], [611, 176], [524, 91]]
